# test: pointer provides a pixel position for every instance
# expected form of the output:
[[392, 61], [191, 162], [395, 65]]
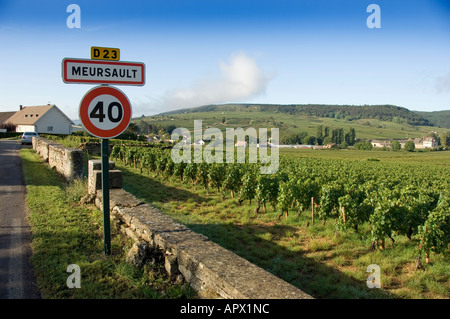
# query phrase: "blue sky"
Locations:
[[216, 51]]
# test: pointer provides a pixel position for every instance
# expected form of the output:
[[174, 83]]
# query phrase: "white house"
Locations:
[[264, 144], [42, 119], [377, 143], [429, 142], [199, 142]]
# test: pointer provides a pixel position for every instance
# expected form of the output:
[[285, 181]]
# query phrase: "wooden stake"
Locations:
[[382, 244], [343, 214], [312, 210]]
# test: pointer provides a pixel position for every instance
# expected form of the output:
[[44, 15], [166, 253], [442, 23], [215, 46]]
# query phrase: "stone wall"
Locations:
[[94, 148], [40, 145], [67, 161], [95, 176], [210, 269]]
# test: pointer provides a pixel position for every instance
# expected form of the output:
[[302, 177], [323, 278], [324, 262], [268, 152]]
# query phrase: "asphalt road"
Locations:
[[16, 273]]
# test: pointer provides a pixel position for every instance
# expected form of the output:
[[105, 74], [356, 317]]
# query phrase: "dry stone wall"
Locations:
[[67, 161], [95, 176], [210, 269]]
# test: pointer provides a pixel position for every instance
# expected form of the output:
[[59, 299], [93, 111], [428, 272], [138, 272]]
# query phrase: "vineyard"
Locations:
[[399, 201], [381, 203]]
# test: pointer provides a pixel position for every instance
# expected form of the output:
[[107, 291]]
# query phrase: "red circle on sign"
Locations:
[[84, 113]]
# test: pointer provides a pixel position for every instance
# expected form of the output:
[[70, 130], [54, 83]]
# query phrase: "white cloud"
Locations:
[[239, 80], [443, 84]]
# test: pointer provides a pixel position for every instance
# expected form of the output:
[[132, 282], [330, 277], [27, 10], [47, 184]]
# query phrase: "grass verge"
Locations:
[[65, 232]]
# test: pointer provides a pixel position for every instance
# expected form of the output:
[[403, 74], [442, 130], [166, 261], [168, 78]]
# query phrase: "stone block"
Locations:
[[138, 254], [96, 165], [95, 180], [73, 163], [171, 265]]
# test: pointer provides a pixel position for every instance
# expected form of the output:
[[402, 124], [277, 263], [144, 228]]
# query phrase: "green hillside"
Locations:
[[349, 112], [369, 122], [440, 118]]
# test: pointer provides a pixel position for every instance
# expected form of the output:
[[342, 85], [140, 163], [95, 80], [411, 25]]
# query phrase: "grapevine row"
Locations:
[[393, 199]]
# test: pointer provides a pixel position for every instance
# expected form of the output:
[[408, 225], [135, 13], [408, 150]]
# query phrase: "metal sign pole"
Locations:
[[105, 196]]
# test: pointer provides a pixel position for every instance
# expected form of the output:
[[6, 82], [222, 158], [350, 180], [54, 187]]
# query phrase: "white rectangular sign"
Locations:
[[103, 72]]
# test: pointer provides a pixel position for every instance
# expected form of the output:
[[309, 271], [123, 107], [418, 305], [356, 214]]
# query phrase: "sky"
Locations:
[[200, 52]]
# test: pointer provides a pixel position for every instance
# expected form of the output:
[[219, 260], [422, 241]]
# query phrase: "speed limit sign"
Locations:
[[105, 112]]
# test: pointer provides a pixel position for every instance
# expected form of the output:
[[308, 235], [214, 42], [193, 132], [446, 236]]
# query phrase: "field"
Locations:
[[328, 258], [441, 158], [287, 124]]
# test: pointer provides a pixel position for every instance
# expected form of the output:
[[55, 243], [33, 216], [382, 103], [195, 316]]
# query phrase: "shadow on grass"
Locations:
[[258, 244], [313, 277], [152, 191]]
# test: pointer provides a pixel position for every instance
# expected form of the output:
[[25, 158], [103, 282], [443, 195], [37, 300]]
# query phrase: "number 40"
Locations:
[[98, 113]]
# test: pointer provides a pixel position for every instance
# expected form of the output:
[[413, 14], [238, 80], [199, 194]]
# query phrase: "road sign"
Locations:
[[100, 53], [103, 72], [105, 112]]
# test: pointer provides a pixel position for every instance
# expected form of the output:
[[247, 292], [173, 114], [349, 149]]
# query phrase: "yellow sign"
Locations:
[[99, 53]]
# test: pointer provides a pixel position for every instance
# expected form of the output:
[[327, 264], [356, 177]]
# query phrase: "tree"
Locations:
[[319, 132], [130, 133], [346, 139], [396, 146], [327, 140], [437, 138], [144, 127], [364, 146], [409, 146], [319, 140], [170, 128], [335, 136], [309, 140], [340, 136], [445, 139], [352, 136]]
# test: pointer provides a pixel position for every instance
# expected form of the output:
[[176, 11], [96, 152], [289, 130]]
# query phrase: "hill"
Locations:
[[440, 118], [350, 112], [369, 122]]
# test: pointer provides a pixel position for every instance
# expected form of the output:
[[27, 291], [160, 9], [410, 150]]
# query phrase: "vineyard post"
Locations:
[[343, 214], [312, 210], [105, 196]]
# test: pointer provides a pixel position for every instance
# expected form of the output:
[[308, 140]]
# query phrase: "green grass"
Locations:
[[65, 232], [317, 259]]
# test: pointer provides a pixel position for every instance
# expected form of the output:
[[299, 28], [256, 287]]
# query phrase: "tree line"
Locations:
[[324, 136], [389, 113]]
